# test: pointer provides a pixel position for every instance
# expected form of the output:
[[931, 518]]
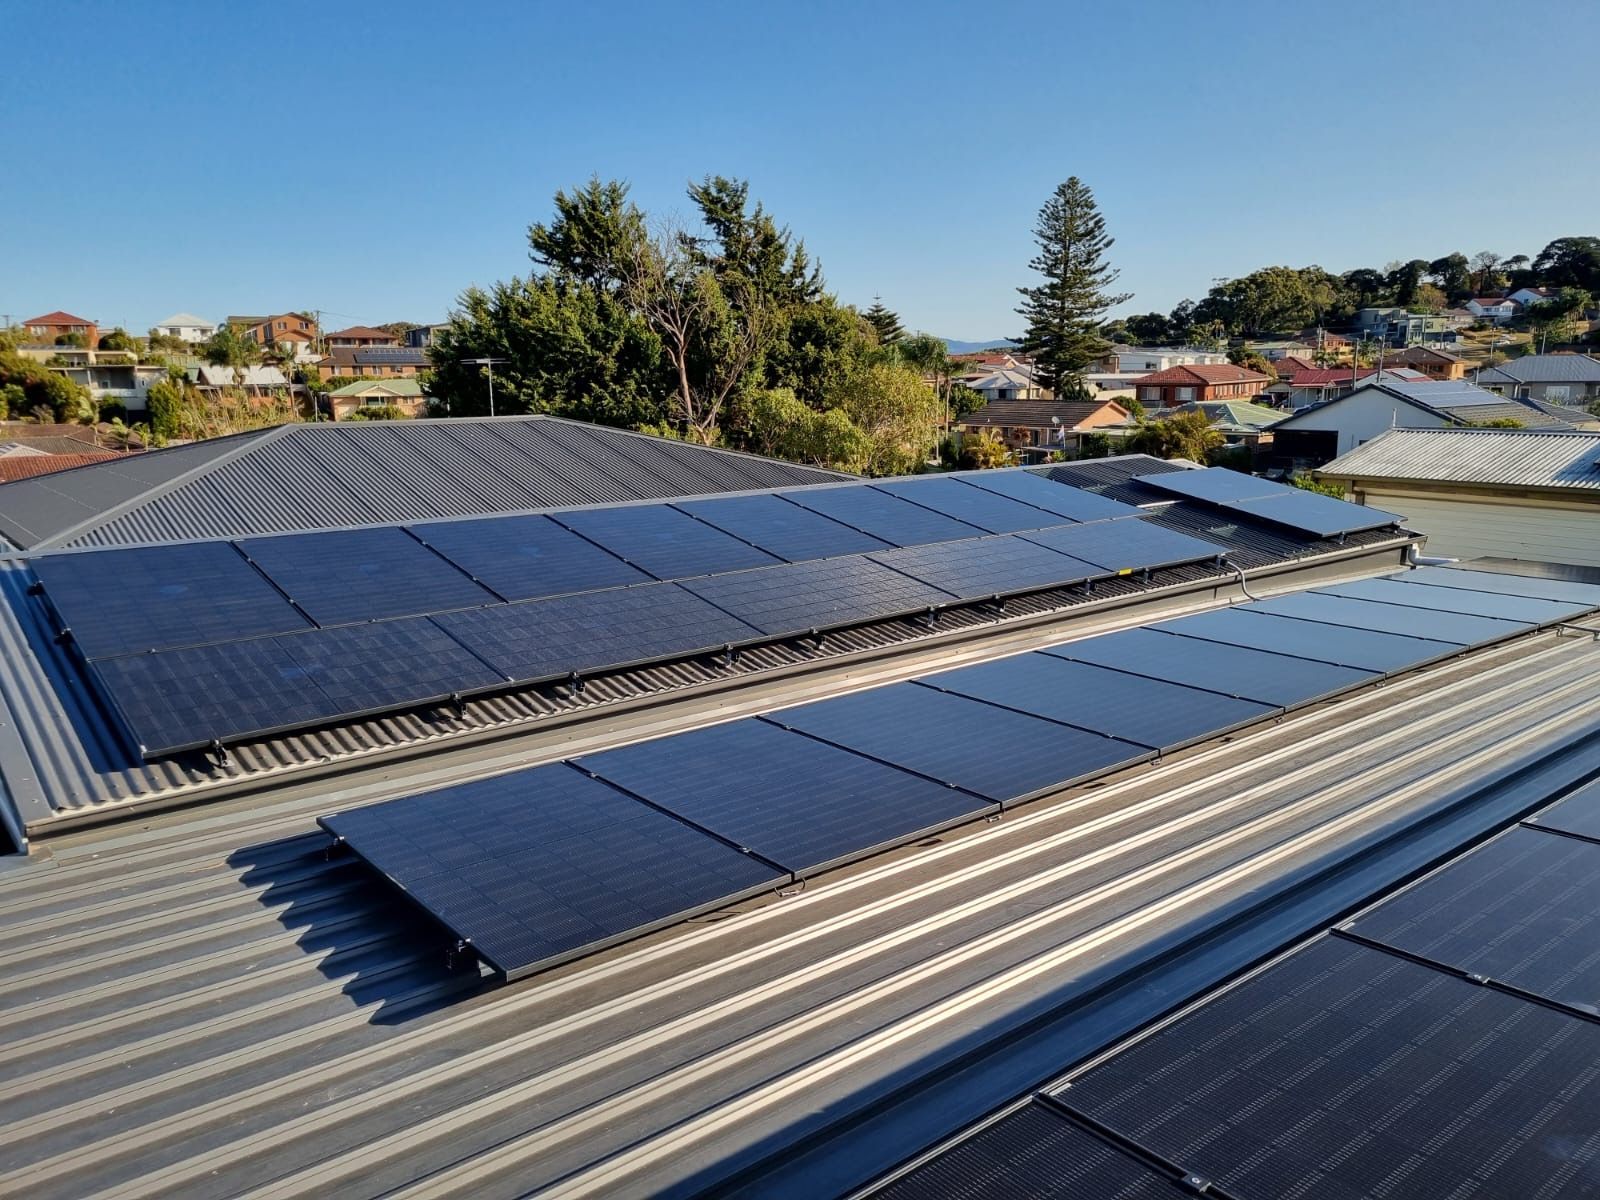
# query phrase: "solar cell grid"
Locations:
[[1247, 626], [353, 575], [975, 506], [1398, 589], [1381, 617], [1509, 585], [782, 529], [1119, 547], [799, 597], [1216, 484], [1319, 516], [1579, 813], [791, 799], [158, 597], [537, 865], [663, 541], [990, 566], [525, 558], [1059, 498], [885, 517]]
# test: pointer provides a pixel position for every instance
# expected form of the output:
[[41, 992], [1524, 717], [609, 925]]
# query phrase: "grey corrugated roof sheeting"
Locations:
[[298, 477], [1544, 368], [1506, 457]]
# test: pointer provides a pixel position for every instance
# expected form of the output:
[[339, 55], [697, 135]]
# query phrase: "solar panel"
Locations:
[[1579, 813], [1120, 547], [1033, 1153], [181, 699], [780, 528], [791, 799], [1319, 516], [975, 506], [544, 639], [1399, 589], [525, 558], [1062, 499], [1216, 484], [990, 566], [1146, 712], [1390, 618], [885, 517], [158, 597], [1344, 1071], [663, 541], [538, 866], [1245, 625], [1258, 675], [1001, 755], [823, 594], [1523, 909], [1507, 585], [362, 574]]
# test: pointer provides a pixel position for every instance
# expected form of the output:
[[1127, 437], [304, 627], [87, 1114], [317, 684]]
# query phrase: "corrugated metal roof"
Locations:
[[356, 473], [1507, 457], [1544, 368]]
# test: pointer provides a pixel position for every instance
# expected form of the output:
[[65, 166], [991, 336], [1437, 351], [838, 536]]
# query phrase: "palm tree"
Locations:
[[230, 348]]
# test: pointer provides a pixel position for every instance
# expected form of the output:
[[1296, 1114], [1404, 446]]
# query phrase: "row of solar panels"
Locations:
[[545, 864], [1276, 503], [1443, 1043]]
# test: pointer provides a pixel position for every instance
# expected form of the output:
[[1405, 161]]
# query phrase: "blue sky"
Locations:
[[371, 160]]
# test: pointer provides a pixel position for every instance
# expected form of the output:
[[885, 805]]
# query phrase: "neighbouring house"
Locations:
[[187, 327], [1199, 382], [1572, 379], [1141, 360], [1435, 364], [359, 336], [1322, 432], [1500, 492], [1012, 383], [1290, 363], [403, 394], [20, 460], [1527, 297], [62, 324], [1039, 428], [1372, 321], [377, 362], [292, 328], [109, 375], [1240, 422], [1496, 309], [1275, 352], [258, 380], [420, 337], [1314, 385]]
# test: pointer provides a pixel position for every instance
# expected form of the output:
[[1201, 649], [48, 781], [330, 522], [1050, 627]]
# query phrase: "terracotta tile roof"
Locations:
[[1200, 373], [363, 331], [1037, 414], [58, 318], [27, 466]]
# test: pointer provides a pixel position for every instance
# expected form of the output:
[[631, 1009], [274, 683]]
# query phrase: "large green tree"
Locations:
[[229, 348], [885, 323], [1065, 312]]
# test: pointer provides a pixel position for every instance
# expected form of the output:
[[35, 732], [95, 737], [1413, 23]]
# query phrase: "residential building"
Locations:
[[375, 362], [21, 460], [1314, 385], [403, 394], [1495, 309], [1371, 322], [1322, 432], [1435, 364], [1199, 382], [1275, 352], [294, 328], [1009, 383], [187, 327], [109, 375], [1289, 364], [420, 337], [60, 324], [1142, 360], [1240, 422], [1527, 297], [359, 336], [1506, 492], [1047, 426], [256, 380], [1569, 379]]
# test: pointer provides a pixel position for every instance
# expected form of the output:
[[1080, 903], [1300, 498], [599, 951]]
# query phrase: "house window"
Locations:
[[1149, 393], [1185, 395], [1557, 393]]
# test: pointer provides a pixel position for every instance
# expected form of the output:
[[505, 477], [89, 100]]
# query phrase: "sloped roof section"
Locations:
[[1544, 368], [321, 476], [1505, 457]]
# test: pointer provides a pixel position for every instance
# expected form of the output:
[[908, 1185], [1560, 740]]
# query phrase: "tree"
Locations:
[[118, 339], [1452, 274], [896, 411], [1184, 435], [1570, 262], [229, 348], [71, 339], [1405, 278], [42, 389], [1065, 313], [1485, 267], [983, 451], [1271, 300], [1429, 298], [782, 425], [885, 323], [1252, 360], [594, 238], [1150, 329], [1366, 288], [1556, 318]]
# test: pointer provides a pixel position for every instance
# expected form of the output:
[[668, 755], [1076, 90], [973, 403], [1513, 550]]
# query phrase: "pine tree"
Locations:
[[885, 321], [1064, 312]]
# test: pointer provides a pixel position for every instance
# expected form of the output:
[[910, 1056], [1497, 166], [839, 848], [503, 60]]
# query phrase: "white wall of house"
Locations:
[[1363, 415], [194, 334], [1142, 361], [1468, 526]]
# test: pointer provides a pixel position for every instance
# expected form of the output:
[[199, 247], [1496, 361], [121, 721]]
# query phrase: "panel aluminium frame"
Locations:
[[950, 497], [1072, 503]]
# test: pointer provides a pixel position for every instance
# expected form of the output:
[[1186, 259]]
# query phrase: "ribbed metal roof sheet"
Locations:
[[1506, 457]]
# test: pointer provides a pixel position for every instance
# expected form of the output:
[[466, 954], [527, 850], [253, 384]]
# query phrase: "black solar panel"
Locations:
[[990, 566], [885, 517], [823, 594], [1399, 589], [1120, 547], [1579, 813], [179, 699], [1585, 594], [789, 798], [1148, 712], [1065, 501], [1002, 755], [780, 528], [1523, 909], [362, 574], [524, 558], [1308, 512], [1257, 675], [1390, 618], [1245, 625], [1216, 484], [663, 541], [542, 639], [537, 866], [1032, 1154], [975, 506], [1346, 1072], [154, 598]]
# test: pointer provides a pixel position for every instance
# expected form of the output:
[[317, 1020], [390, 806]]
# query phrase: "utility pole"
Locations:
[[489, 363]]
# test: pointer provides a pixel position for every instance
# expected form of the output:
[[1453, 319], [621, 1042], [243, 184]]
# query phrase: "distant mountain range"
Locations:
[[959, 347]]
